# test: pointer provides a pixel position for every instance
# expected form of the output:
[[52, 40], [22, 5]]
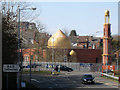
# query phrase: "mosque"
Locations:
[[59, 49]]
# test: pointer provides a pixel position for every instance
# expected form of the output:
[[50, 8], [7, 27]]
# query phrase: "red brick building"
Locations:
[[83, 55], [36, 55], [83, 41], [88, 55]]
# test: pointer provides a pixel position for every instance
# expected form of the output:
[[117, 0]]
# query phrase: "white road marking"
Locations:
[[35, 80], [53, 79], [74, 81], [56, 84], [68, 78], [51, 87]]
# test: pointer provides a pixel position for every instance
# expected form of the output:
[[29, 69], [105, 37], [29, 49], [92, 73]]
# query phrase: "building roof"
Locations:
[[84, 38], [59, 40], [73, 39]]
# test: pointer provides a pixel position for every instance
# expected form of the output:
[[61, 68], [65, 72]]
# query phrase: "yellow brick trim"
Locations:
[[106, 54], [106, 38], [107, 24]]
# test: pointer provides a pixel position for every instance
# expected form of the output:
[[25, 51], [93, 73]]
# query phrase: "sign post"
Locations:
[[11, 68], [65, 59], [108, 67], [23, 84], [7, 81]]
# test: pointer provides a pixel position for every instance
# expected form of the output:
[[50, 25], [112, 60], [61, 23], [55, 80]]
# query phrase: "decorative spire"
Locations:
[[107, 17], [107, 13]]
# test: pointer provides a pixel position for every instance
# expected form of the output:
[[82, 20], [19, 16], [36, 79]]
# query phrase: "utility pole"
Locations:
[[30, 67], [31, 57], [18, 81], [53, 54], [18, 74]]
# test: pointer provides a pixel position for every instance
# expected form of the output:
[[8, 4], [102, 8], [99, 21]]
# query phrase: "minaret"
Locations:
[[107, 40]]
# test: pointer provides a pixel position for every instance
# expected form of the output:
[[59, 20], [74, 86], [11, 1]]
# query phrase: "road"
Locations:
[[69, 80]]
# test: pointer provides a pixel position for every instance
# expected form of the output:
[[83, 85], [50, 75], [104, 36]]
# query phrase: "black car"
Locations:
[[32, 66], [108, 71], [63, 68], [88, 78]]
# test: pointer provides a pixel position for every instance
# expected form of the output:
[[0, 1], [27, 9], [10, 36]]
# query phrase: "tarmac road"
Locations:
[[69, 80]]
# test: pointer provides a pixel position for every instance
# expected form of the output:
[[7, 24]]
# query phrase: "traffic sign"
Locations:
[[23, 84], [109, 67], [65, 58], [11, 68]]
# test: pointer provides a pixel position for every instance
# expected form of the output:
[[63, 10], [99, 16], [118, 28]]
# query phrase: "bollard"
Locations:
[[119, 79], [53, 72]]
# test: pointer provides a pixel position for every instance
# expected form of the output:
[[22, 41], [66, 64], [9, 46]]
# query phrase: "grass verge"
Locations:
[[110, 78], [38, 72], [44, 72]]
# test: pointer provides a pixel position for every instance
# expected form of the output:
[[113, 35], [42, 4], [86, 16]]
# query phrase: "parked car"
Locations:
[[49, 66], [87, 78], [32, 66], [108, 71], [63, 68]]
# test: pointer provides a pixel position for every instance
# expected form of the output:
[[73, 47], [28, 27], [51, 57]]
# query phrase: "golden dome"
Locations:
[[59, 40], [106, 13], [72, 52]]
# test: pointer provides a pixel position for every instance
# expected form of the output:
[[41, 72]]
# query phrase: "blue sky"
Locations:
[[85, 17]]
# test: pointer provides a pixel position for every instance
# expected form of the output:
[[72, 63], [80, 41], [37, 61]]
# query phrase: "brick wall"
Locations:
[[34, 52], [88, 55]]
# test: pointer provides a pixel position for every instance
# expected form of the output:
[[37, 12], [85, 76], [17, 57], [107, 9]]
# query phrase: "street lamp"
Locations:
[[53, 56], [30, 62], [18, 83], [28, 9], [117, 58]]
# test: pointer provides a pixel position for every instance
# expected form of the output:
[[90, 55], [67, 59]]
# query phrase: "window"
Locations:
[[30, 26], [97, 60], [25, 58], [36, 57], [87, 76]]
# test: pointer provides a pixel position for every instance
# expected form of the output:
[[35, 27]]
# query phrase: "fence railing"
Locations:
[[83, 67], [111, 76]]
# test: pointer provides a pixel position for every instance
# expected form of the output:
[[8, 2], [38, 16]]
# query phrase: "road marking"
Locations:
[[51, 87], [53, 79], [35, 80], [56, 84], [74, 81], [68, 78]]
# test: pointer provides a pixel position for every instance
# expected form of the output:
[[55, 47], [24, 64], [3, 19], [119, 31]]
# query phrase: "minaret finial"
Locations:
[[106, 16]]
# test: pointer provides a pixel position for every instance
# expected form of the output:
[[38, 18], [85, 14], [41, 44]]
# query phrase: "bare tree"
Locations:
[[40, 27], [66, 31], [11, 9]]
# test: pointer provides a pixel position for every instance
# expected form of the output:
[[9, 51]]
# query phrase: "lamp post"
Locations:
[[53, 56], [30, 62], [118, 55], [18, 81]]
